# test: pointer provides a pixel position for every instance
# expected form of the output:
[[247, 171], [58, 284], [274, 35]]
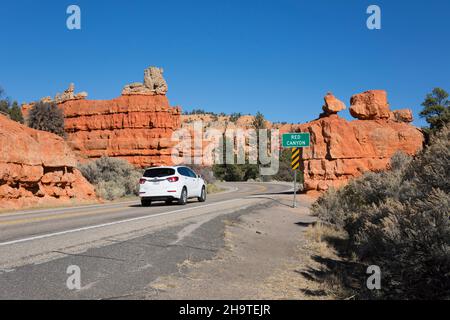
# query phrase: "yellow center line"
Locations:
[[263, 189], [59, 216], [74, 214]]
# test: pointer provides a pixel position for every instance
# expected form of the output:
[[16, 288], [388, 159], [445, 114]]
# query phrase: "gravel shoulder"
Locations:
[[263, 257]]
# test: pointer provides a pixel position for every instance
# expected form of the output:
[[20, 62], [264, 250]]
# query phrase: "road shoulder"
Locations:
[[263, 256]]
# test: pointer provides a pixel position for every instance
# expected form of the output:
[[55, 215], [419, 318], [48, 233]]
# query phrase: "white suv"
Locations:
[[171, 183]]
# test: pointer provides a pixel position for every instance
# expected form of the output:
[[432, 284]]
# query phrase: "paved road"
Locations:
[[119, 248]]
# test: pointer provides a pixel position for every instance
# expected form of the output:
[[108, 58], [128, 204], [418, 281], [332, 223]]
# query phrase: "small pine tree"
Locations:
[[235, 116], [436, 110], [12, 110], [47, 117], [4, 103], [259, 122], [15, 112], [4, 106]]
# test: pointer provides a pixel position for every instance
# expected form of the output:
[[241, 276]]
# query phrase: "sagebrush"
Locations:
[[113, 178], [399, 220]]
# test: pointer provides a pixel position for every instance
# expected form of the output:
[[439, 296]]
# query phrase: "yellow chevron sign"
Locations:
[[295, 159]]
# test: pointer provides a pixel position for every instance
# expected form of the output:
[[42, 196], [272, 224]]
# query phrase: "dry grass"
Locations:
[[212, 188], [325, 269], [319, 235]]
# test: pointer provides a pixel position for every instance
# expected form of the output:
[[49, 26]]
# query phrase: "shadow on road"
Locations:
[[278, 193], [269, 198]]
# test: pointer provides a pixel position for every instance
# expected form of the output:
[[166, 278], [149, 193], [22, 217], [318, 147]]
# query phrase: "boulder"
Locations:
[[370, 105], [332, 105], [402, 115]]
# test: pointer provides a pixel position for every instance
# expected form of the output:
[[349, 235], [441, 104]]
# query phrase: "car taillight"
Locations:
[[172, 179], [142, 181]]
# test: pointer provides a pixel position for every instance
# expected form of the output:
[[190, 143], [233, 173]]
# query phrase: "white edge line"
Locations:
[[108, 224]]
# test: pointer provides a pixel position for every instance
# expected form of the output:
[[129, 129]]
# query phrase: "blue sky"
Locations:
[[278, 57]]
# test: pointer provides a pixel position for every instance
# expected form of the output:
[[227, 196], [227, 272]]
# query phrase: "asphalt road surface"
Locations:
[[118, 248]]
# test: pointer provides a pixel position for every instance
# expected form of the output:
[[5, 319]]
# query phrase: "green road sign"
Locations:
[[296, 140]]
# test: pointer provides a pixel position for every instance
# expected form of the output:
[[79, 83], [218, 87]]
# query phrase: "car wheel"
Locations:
[[202, 197], [183, 197], [146, 202]]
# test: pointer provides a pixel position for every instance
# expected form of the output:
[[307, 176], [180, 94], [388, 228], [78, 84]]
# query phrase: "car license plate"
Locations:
[[156, 183]]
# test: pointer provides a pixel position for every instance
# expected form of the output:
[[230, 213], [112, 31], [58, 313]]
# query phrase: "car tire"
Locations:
[[202, 197], [183, 198], [146, 202]]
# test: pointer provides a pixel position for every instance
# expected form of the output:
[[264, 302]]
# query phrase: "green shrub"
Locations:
[[15, 112], [399, 220], [47, 117], [12, 110], [113, 178], [285, 172], [234, 117], [229, 172]]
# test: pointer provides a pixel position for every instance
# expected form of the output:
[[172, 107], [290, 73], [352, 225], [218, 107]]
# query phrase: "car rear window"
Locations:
[[159, 172]]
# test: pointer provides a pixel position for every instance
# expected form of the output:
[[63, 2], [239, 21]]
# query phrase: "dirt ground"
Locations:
[[266, 256]]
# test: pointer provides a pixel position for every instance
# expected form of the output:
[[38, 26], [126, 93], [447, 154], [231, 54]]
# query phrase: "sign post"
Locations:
[[295, 141], [295, 164]]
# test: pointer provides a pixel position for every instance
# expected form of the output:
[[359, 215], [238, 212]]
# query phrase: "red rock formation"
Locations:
[[341, 150], [36, 168], [137, 128]]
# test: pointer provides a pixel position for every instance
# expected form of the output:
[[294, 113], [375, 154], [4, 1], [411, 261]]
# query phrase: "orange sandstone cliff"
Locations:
[[137, 126], [37, 168]]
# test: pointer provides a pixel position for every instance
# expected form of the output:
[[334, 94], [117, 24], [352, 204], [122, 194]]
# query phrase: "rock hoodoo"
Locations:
[[36, 168], [154, 84], [332, 105], [341, 150], [68, 95]]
